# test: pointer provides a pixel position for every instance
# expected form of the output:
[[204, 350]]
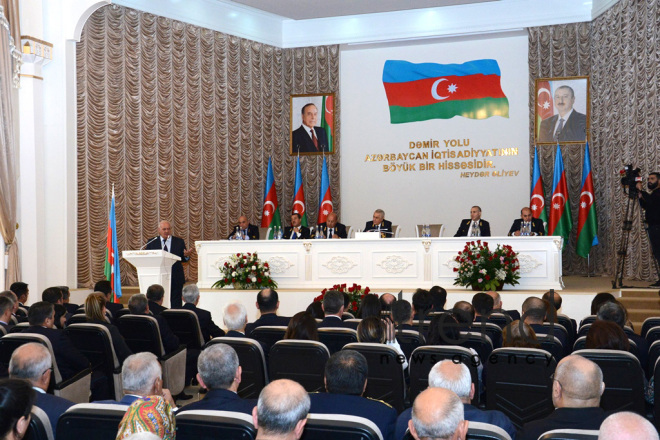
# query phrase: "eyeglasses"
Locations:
[[552, 377]]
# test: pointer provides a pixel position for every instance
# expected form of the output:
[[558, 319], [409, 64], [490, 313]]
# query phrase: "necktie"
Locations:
[[559, 129], [165, 246], [331, 232], [314, 139], [294, 235]]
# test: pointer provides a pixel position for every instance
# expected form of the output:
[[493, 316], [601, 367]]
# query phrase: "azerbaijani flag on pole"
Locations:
[[560, 209], [419, 92], [270, 216], [537, 198], [325, 202], [299, 197], [111, 269], [587, 229], [327, 119]]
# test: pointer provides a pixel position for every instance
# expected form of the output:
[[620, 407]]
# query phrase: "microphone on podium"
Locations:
[[147, 243]]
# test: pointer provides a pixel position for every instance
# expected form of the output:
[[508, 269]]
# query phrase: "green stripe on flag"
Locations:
[[587, 233], [470, 108]]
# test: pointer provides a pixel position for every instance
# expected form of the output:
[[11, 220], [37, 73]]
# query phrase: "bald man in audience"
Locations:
[[576, 390], [534, 313], [627, 426], [268, 302], [245, 230], [281, 412], [438, 414]]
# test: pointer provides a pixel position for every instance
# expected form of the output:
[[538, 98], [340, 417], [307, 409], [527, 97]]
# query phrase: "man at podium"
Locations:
[[174, 245]]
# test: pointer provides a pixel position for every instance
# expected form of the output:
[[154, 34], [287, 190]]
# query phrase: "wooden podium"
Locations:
[[153, 267]]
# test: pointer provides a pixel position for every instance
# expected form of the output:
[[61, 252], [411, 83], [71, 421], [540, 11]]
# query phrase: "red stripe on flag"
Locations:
[[586, 197], [558, 204]]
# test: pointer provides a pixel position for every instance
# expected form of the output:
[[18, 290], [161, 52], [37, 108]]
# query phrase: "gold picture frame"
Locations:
[[303, 109], [561, 110]]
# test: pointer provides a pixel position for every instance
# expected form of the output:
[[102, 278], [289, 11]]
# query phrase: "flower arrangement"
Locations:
[[478, 267], [245, 271], [356, 293]]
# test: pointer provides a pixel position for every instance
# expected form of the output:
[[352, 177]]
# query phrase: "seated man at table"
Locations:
[[474, 226], [296, 231], [527, 224], [379, 224], [245, 229], [332, 228]]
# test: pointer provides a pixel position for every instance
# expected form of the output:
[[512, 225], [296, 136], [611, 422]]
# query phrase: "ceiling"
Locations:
[[311, 9]]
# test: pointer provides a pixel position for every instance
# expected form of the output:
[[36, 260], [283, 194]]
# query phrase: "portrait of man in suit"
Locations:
[[562, 120], [311, 119]]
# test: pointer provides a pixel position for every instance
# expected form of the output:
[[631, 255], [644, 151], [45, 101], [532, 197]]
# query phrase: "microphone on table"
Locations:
[[147, 243]]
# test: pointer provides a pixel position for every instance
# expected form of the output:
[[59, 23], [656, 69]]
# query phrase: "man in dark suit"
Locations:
[[174, 245], [566, 126], [402, 315], [527, 224], [332, 228], [333, 308], [245, 230], [235, 319], [309, 138], [474, 226], [576, 390], [345, 381], [32, 362], [190, 301], [220, 374], [497, 306], [267, 302], [6, 309], [296, 231], [22, 292], [155, 294], [534, 312], [70, 361], [105, 288], [379, 224], [66, 294]]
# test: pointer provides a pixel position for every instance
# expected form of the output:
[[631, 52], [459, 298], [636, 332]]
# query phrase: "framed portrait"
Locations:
[[312, 124], [562, 110]]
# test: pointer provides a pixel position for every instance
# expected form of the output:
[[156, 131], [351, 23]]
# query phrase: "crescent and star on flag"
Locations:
[[434, 89], [541, 204], [544, 103]]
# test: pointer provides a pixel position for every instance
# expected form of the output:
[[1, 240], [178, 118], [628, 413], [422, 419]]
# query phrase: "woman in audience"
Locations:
[[599, 300], [16, 400], [302, 326], [316, 309], [370, 307], [380, 331], [60, 316], [519, 334], [148, 414], [607, 335], [95, 313]]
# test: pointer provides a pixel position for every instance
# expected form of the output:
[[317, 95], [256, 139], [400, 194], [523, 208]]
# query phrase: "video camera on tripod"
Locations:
[[629, 178]]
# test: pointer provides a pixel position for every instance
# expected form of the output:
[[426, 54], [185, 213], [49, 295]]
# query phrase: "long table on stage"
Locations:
[[393, 263]]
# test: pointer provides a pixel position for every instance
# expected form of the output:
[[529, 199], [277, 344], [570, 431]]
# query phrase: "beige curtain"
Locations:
[[8, 180]]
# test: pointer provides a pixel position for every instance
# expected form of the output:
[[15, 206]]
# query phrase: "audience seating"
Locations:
[[185, 325], [654, 354], [482, 344], [3, 331], [485, 431], [385, 380], [95, 342], [518, 383], [121, 312], [212, 425], [90, 421], [552, 345], [623, 377], [352, 323], [652, 335], [656, 393], [253, 363], [570, 434], [141, 333], [347, 315], [649, 323], [584, 329], [569, 324], [78, 318], [335, 338], [19, 327], [409, 340], [39, 427], [424, 329], [75, 389], [587, 320], [493, 331], [268, 335], [555, 329], [499, 319], [301, 361], [345, 427]]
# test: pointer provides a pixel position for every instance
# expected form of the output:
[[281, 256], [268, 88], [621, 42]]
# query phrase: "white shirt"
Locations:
[[309, 130], [168, 242], [474, 226]]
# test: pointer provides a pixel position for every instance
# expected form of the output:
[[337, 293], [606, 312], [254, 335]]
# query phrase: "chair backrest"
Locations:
[[656, 389], [301, 361], [39, 427], [396, 230], [556, 329], [580, 343], [385, 380], [552, 345], [335, 338], [649, 323], [654, 355], [121, 312], [353, 322], [499, 319], [211, 425], [141, 333], [587, 320], [481, 343], [264, 233], [253, 363], [19, 327], [349, 232], [437, 230], [12, 341], [584, 329], [493, 331], [519, 384], [424, 326], [185, 325], [569, 324], [347, 315], [78, 318], [409, 340], [486, 431], [623, 377], [91, 420], [652, 335], [268, 335], [332, 427], [570, 434], [3, 331]]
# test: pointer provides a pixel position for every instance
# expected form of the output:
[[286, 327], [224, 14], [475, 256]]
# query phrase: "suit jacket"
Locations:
[[177, 248], [537, 226], [209, 329], [301, 141], [221, 400], [72, 308], [235, 334], [304, 233], [333, 321], [69, 360], [267, 319], [464, 228], [156, 308], [563, 418], [380, 413], [53, 406], [385, 228], [575, 128], [252, 232], [340, 230], [7, 325]]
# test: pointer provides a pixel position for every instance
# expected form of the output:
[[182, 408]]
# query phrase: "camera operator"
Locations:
[[650, 201]]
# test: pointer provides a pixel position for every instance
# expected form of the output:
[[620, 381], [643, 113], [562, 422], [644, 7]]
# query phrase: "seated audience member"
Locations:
[[402, 315], [464, 314], [534, 312], [599, 300], [267, 302], [22, 292], [95, 314], [190, 295], [576, 390], [105, 288], [66, 296], [555, 300], [606, 335], [302, 326], [456, 377], [627, 426], [52, 295], [380, 331], [519, 334], [386, 301], [60, 316], [345, 381], [316, 310], [6, 309], [235, 319], [32, 362], [155, 295], [333, 308], [152, 414], [437, 414], [483, 306], [220, 373], [138, 305], [422, 304], [281, 411], [445, 329], [497, 306], [69, 360], [12, 296], [438, 298], [16, 400], [370, 307], [615, 312]]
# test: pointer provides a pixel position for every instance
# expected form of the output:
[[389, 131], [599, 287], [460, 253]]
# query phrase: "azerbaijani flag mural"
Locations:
[[419, 92]]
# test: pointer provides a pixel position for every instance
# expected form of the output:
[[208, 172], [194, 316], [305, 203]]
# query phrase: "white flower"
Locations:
[[254, 279], [483, 271], [500, 274], [254, 267], [266, 273], [233, 274]]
